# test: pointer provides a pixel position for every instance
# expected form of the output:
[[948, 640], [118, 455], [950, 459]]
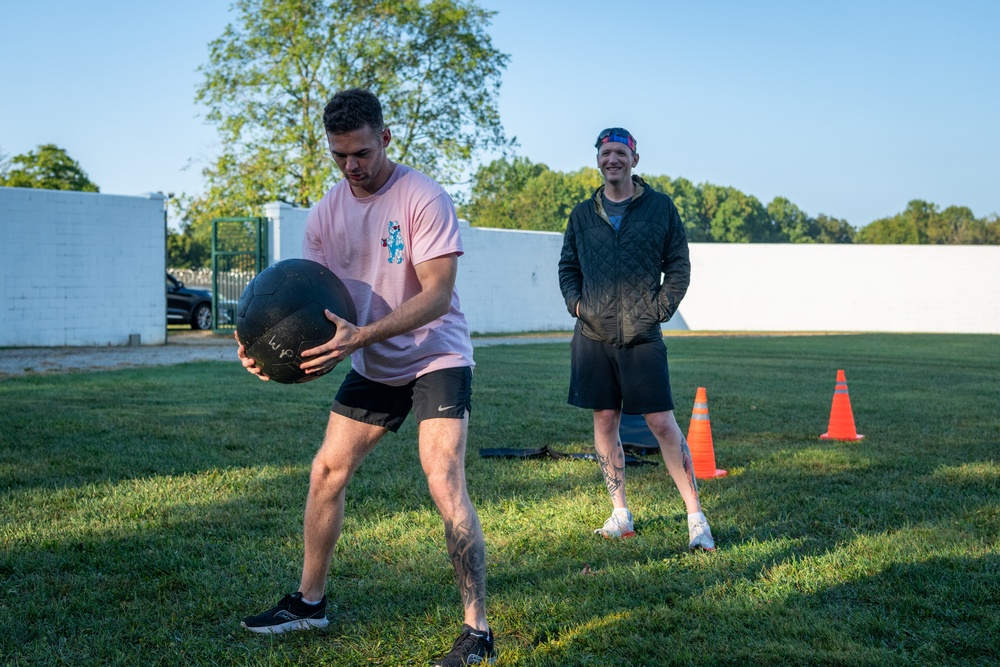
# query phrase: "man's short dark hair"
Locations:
[[351, 110]]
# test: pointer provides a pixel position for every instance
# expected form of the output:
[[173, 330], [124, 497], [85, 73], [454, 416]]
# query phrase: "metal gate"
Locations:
[[239, 252]]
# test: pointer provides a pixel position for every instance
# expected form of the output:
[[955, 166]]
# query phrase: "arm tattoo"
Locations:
[[613, 469], [468, 557], [688, 464]]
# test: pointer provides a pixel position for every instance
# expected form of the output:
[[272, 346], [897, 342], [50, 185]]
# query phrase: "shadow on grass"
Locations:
[[935, 612], [882, 552], [177, 586], [74, 430], [172, 589]]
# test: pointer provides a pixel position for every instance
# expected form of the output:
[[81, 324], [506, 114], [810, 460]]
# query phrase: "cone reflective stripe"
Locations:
[[841, 417], [700, 439]]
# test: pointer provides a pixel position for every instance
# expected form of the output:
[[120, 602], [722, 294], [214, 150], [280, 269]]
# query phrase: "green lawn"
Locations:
[[144, 512]]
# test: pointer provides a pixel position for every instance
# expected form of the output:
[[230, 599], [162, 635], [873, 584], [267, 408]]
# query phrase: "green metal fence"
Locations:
[[239, 252]]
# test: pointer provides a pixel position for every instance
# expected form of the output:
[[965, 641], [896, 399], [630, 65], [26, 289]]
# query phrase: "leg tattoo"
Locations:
[[688, 464], [468, 557], [613, 468]]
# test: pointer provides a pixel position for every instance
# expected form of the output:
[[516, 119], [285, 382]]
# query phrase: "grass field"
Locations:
[[144, 512]]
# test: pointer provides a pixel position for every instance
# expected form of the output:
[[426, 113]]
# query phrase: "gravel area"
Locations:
[[182, 346], [199, 347]]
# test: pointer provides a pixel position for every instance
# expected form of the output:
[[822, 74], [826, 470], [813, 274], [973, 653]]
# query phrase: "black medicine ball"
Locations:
[[280, 314]]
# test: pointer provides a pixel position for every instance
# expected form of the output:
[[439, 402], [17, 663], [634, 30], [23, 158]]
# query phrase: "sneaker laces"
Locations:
[[701, 536], [613, 524], [616, 525], [467, 641]]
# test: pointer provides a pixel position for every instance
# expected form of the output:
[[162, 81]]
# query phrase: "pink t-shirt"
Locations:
[[372, 244]]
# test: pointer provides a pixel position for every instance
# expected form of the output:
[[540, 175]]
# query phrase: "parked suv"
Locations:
[[186, 305]]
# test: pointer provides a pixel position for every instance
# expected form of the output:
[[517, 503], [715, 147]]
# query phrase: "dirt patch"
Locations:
[[27, 360], [181, 347]]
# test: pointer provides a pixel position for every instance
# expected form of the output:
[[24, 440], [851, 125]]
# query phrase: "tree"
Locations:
[[549, 198], [907, 228], [431, 63], [957, 225], [896, 229], [519, 194], [923, 222], [186, 252], [494, 188], [833, 230], [48, 168], [739, 218], [690, 205], [991, 226], [792, 223]]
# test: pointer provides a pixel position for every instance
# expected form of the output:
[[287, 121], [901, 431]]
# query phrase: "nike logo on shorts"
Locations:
[[442, 408]]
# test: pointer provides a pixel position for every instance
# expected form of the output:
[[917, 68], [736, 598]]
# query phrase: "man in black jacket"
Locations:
[[623, 270]]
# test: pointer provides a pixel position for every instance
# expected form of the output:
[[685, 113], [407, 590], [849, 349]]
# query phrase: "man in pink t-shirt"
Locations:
[[391, 234]]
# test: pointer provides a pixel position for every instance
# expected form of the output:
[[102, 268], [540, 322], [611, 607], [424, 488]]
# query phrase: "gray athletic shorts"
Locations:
[[446, 393], [634, 379]]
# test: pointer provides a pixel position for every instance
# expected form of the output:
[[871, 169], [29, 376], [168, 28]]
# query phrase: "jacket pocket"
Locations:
[[584, 312]]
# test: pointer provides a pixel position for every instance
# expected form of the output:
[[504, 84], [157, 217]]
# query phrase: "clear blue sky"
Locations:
[[846, 108]]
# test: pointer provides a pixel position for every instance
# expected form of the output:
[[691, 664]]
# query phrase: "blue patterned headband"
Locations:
[[616, 134]]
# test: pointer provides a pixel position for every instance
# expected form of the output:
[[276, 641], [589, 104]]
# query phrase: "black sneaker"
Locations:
[[290, 614], [473, 647]]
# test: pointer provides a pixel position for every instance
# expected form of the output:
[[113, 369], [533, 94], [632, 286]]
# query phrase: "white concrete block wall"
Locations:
[[87, 269], [286, 230], [81, 268], [506, 279], [825, 287], [508, 282]]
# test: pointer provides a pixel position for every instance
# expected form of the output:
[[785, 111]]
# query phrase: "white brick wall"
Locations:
[[79, 268], [824, 287], [286, 230], [506, 279], [87, 269], [508, 282]]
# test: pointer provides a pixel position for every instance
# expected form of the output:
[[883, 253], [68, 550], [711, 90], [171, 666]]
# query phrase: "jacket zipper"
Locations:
[[618, 279], [619, 319]]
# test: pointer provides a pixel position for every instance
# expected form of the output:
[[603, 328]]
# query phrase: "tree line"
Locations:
[[48, 167], [434, 66], [515, 193]]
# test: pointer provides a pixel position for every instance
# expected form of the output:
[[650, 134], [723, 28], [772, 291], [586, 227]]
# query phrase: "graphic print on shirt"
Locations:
[[394, 243]]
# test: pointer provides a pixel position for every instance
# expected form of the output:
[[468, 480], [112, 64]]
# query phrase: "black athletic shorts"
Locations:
[[634, 379], [446, 393]]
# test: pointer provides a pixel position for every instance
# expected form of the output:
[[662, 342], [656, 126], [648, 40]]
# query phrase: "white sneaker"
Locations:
[[618, 525], [701, 536]]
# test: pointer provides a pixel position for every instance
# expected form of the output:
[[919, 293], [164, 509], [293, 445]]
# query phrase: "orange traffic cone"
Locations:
[[841, 418], [700, 439]]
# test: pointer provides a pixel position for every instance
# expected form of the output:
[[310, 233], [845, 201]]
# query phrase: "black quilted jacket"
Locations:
[[615, 277]]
